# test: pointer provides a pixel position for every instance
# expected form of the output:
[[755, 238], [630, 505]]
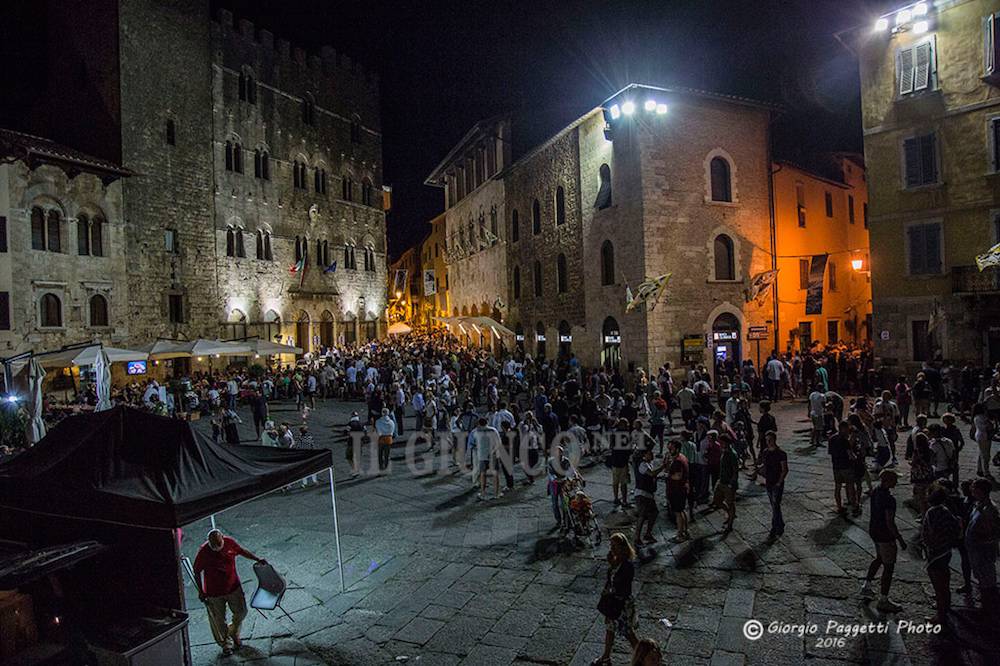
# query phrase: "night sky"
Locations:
[[445, 65]]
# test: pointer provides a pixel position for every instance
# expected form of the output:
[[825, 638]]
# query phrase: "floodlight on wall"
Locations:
[[882, 25], [616, 112], [920, 27], [661, 109], [650, 105], [920, 9], [857, 264], [903, 16], [628, 108]]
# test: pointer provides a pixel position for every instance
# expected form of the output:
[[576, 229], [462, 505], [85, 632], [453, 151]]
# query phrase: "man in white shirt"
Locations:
[[942, 452], [817, 403], [685, 400], [501, 416], [486, 440], [233, 390], [352, 381], [419, 405], [385, 427], [772, 373]]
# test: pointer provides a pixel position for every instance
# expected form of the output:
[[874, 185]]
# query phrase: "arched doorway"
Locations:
[[726, 342], [611, 344], [565, 339], [236, 327], [519, 337], [270, 328], [540, 340], [326, 329], [302, 332], [347, 329]]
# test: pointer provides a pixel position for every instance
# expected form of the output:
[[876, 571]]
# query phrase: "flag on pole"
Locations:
[[989, 258], [759, 284], [649, 291], [298, 266], [332, 268]]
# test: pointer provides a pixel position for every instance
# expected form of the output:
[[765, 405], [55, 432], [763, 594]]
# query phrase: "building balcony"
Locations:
[[969, 280]]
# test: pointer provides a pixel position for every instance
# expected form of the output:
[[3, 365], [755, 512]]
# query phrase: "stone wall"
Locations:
[[478, 277]]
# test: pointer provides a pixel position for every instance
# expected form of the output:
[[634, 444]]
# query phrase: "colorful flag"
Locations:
[[989, 258], [649, 291], [332, 268], [759, 284], [814, 295], [399, 280], [298, 266]]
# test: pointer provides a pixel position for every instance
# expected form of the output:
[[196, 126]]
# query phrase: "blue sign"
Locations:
[[136, 367]]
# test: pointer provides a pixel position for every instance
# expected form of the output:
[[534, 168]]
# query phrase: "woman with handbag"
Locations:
[[616, 603]]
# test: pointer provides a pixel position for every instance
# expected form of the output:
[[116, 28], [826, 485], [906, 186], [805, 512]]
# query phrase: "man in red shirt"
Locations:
[[215, 569], [678, 479]]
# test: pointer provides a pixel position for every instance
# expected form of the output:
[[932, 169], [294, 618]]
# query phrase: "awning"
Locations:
[[20, 567], [68, 358], [399, 328], [162, 349], [268, 348]]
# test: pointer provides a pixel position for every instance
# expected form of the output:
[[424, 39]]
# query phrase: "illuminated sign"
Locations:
[[540, 338], [565, 338], [519, 338], [725, 336], [614, 339], [135, 368]]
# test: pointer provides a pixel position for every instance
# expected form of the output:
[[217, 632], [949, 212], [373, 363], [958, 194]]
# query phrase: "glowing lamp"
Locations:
[[903, 17], [650, 105], [628, 108], [920, 9], [12, 398], [881, 25], [616, 113], [856, 264], [398, 294], [920, 27], [199, 358], [661, 109]]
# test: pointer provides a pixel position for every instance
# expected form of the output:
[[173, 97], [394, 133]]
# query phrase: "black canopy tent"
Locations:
[[129, 479]]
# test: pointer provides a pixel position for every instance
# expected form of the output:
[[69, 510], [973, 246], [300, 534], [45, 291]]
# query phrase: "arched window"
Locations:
[[537, 278], [171, 132], [237, 158], [309, 109], [517, 283], [251, 89], [265, 165], [229, 155], [536, 217], [349, 258], [258, 167], [241, 250], [319, 181], [235, 327], [326, 254], [298, 249], [54, 231], [515, 227], [97, 236], [562, 279], [319, 253], [725, 264], [37, 228], [268, 255], [494, 227], [604, 191], [50, 311], [607, 263], [259, 244], [231, 242], [540, 340], [347, 189], [560, 206], [82, 234], [98, 310], [722, 187]]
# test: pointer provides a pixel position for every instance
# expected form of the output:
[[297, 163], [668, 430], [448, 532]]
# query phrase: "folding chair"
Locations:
[[270, 589]]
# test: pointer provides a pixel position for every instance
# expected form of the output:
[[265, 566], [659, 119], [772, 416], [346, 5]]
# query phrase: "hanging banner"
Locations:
[[399, 281], [430, 286], [814, 297]]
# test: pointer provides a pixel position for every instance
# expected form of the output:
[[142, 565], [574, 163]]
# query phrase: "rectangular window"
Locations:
[[916, 67], [831, 270], [82, 237], [828, 198], [176, 308], [920, 160], [994, 141], [832, 332], [805, 334], [924, 248], [170, 241], [850, 208], [920, 339], [4, 310], [803, 273], [3, 233], [991, 63], [800, 203], [864, 213]]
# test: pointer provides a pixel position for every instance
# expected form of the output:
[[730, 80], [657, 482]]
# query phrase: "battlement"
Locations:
[[327, 63]]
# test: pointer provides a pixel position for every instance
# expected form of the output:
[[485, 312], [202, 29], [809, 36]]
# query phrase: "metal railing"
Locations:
[[969, 280]]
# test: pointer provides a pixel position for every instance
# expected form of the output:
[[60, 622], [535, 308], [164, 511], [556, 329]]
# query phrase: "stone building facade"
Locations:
[[250, 157], [930, 102], [62, 247]]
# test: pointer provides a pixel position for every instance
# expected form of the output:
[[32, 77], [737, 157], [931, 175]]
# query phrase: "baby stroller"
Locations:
[[579, 510]]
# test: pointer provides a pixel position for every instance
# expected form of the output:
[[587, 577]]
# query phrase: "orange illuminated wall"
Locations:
[[814, 215]]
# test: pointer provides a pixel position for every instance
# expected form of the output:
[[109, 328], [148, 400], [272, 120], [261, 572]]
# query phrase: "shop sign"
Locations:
[[565, 338]]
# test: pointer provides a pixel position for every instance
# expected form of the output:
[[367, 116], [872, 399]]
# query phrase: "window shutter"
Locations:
[[917, 264], [3, 233], [995, 133], [911, 150], [928, 159], [904, 67], [4, 310], [922, 66], [932, 248], [989, 49]]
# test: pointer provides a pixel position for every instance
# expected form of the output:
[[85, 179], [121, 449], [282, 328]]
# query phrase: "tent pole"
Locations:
[[336, 532]]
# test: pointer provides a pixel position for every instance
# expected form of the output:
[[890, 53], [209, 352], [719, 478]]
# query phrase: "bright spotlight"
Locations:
[[650, 105], [857, 264], [616, 112], [920, 27], [903, 17], [661, 109], [12, 398], [920, 9], [881, 25], [628, 108]]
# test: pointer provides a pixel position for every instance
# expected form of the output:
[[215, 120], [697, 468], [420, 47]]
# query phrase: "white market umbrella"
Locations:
[[190, 348], [68, 358], [268, 348], [399, 328], [36, 428], [102, 370]]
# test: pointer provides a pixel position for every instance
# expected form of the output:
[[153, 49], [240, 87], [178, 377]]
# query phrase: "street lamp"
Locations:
[[857, 264]]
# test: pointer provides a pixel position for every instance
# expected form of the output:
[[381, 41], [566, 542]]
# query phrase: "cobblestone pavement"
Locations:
[[435, 577]]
